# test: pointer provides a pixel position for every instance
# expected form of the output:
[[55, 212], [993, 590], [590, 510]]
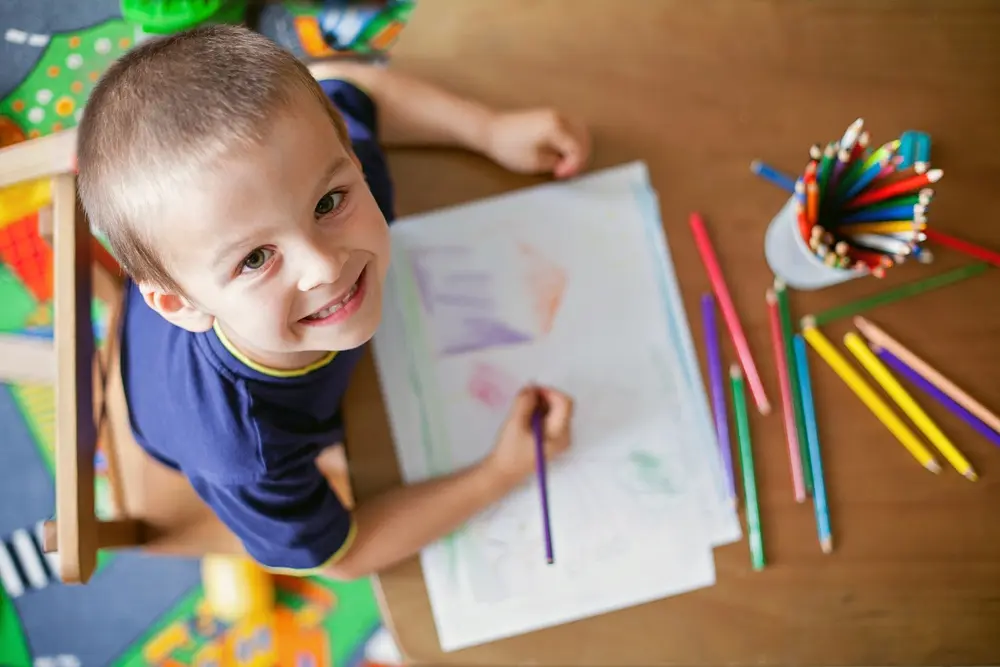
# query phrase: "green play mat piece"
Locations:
[[13, 646], [168, 16]]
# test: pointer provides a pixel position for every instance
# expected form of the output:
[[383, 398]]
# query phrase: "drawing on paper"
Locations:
[[467, 296], [647, 473], [491, 386]]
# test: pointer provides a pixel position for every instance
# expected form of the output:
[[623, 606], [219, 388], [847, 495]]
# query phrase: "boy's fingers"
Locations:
[[560, 410], [524, 405]]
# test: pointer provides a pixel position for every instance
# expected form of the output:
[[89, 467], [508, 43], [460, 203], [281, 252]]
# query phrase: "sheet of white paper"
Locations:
[[567, 284]]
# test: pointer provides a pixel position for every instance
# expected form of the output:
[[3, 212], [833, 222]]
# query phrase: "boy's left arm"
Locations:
[[413, 112]]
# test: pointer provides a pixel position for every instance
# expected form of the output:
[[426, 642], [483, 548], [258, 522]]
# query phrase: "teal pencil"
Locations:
[[746, 463], [812, 436]]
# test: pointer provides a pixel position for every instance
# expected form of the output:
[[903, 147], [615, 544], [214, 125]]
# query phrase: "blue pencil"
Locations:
[[866, 177], [898, 365], [903, 213], [536, 425], [783, 181], [812, 438]]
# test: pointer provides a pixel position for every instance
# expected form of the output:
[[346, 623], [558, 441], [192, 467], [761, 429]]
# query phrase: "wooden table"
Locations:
[[697, 90]]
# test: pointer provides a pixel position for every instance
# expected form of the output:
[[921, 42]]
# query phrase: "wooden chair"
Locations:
[[156, 508]]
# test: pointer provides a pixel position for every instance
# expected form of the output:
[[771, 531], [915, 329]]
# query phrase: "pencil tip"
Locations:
[[734, 371], [934, 175], [755, 166], [550, 561], [770, 297], [933, 466], [808, 322], [765, 408], [971, 475], [826, 544]]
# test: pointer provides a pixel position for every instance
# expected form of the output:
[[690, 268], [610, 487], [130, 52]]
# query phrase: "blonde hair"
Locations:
[[167, 111]]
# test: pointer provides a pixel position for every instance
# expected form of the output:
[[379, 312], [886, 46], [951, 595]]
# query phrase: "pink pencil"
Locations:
[[711, 263], [787, 400]]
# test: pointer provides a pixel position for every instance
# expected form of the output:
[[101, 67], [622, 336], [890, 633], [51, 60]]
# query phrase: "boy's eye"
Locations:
[[328, 203], [256, 260]]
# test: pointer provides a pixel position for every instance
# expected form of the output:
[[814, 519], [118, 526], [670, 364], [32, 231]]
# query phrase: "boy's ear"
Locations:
[[177, 309]]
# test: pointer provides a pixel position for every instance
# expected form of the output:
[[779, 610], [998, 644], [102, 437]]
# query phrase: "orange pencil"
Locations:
[[899, 187], [732, 320], [812, 201]]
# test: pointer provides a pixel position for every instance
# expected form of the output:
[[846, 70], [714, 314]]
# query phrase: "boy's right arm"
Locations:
[[400, 522]]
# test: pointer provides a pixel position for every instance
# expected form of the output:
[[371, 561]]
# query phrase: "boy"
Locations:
[[251, 218]]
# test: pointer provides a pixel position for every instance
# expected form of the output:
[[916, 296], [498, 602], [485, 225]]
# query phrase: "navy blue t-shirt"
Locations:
[[247, 437]]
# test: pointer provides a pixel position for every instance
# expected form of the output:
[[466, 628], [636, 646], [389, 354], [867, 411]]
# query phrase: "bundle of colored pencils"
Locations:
[[856, 210]]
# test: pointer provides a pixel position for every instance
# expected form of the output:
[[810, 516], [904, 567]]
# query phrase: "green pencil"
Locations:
[[784, 310], [746, 463], [824, 169], [901, 292]]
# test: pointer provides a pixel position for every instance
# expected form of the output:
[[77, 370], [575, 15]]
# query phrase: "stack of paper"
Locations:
[[571, 285]]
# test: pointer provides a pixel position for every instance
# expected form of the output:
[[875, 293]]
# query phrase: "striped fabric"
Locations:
[[23, 564]]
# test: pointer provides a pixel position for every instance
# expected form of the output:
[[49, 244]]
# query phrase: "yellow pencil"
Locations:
[[852, 379], [882, 227], [909, 407]]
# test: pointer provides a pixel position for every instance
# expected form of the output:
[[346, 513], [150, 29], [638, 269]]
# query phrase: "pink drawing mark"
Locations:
[[491, 386]]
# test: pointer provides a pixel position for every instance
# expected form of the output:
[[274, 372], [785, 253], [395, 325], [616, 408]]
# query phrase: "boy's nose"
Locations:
[[319, 267]]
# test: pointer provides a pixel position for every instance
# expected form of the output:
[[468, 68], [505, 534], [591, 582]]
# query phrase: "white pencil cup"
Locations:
[[791, 259]]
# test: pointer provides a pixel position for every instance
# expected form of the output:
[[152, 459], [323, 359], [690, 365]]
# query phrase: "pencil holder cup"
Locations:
[[791, 259]]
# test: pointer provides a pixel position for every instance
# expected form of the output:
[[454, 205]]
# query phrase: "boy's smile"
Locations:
[[281, 244]]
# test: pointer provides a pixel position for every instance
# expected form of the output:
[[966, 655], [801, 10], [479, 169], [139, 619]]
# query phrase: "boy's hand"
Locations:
[[513, 456], [538, 140]]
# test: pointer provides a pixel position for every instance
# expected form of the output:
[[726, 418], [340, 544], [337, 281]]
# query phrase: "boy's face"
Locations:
[[283, 245]]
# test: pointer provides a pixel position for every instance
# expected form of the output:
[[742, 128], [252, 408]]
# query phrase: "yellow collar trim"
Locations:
[[260, 368]]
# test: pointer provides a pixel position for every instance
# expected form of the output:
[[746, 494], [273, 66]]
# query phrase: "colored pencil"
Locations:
[[812, 438], [812, 202], [824, 169], [891, 167], [970, 249], [898, 213], [787, 331], [923, 197], [901, 292], [756, 537], [715, 376], [536, 423], [905, 185], [732, 320], [771, 174], [881, 227], [909, 407], [879, 337], [872, 401], [944, 399], [865, 178], [787, 400]]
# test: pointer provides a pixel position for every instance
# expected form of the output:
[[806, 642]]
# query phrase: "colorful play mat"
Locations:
[[140, 610]]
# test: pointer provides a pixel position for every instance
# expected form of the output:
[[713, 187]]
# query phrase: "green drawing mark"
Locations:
[[433, 436], [650, 472]]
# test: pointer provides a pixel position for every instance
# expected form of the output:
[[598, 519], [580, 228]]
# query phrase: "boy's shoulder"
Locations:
[[197, 407]]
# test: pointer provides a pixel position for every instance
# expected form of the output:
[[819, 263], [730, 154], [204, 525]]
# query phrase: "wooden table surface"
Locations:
[[697, 90]]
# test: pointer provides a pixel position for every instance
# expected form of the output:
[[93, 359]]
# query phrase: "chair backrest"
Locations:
[[77, 535]]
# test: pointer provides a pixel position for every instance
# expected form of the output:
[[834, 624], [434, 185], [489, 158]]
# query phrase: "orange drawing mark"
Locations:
[[547, 282]]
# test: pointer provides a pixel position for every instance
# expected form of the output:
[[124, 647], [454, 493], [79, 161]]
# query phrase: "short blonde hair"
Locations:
[[167, 111]]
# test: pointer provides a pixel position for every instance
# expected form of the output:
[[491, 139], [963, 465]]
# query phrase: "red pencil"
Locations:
[[899, 187], [711, 263], [971, 249], [787, 400]]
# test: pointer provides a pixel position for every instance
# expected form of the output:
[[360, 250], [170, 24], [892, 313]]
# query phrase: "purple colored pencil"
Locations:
[[716, 379], [916, 378], [536, 424]]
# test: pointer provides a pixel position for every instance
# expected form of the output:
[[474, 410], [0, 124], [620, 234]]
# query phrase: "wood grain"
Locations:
[[697, 90]]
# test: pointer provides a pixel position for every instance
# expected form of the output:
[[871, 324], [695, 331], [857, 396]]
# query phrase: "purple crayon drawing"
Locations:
[[477, 304]]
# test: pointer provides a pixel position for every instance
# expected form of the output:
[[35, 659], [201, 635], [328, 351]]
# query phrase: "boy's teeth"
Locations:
[[327, 312]]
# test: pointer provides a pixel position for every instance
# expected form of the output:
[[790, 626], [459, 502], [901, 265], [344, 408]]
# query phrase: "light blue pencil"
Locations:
[[812, 437]]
